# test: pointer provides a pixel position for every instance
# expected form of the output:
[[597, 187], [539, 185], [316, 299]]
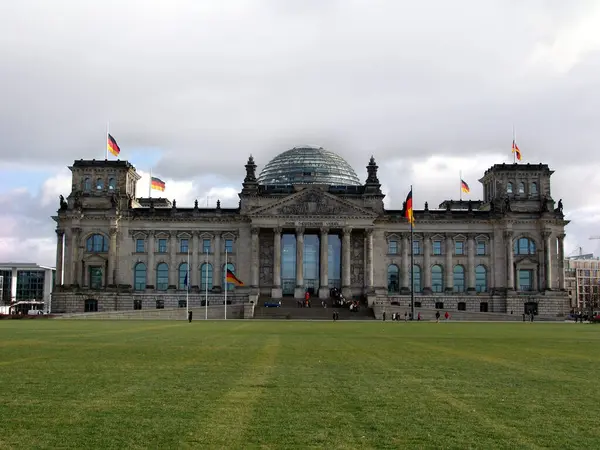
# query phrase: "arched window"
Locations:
[[97, 243], [524, 246], [231, 267], [87, 184], [393, 278], [112, 184], [162, 277], [139, 277], [437, 278], [99, 184], [459, 278], [417, 279], [509, 188], [183, 276], [533, 189], [481, 279], [521, 188], [206, 277]]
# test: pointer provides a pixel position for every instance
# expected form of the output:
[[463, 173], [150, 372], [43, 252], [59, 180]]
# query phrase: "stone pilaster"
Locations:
[[195, 269], [60, 234], [510, 258], [276, 290], [299, 290], [76, 275], [404, 264], [369, 268], [151, 268], [255, 257], [173, 269], [426, 269], [217, 269], [346, 261], [324, 263], [471, 263], [561, 262], [547, 236], [449, 270], [111, 279]]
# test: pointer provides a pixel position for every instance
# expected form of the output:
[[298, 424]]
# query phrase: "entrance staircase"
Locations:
[[289, 309]]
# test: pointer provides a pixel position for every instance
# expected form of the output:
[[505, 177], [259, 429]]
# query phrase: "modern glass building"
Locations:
[[26, 281]]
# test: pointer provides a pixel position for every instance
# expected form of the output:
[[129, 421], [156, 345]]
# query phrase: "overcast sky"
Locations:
[[191, 88]]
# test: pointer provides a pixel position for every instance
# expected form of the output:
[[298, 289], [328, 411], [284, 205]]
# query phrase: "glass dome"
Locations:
[[308, 165]]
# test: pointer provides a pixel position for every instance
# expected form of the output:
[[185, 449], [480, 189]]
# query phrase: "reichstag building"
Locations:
[[308, 222]]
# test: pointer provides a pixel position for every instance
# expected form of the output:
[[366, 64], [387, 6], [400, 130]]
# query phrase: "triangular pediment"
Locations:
[[312, 202]]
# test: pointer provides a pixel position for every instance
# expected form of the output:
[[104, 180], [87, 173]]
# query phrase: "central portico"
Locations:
[[311, 240]]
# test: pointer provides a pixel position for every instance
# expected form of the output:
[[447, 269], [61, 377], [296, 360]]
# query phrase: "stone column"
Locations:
[[299, 291], [151, 267], [254, 231], [60, 234], [217, 269], [346, 288], [111, 279], [547, 235], [510, 269], [471, 263], [449, 270], [276, 290], [173, 269], [404, 264], [76, 277], [324, 263], [195, 268], [426, 269], [369, 268], [561, 262]]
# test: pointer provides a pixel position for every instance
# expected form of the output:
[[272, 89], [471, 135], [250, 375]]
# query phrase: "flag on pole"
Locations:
[[408, 213], [112, 145], [464, 186], [157, 183], [231, 278], [516, 151]]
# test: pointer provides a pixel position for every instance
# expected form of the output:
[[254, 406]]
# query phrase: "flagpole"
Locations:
[[206, 288], [460, 185], [150, 184], [187, 292], [106, 142], [412, 259], [225, 270], [514, 142]]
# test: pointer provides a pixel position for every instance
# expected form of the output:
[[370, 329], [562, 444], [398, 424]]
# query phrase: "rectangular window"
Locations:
[[30, 285], [183, 246], [437, 247], [229, 245], [96, 278], [416, 248], [139, 246], [162, 246], [480, 248], [206, 246], [393, 247], [525, 280], [459, 248]]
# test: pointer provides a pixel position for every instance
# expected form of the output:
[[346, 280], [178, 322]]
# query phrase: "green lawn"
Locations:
[[250, 384]]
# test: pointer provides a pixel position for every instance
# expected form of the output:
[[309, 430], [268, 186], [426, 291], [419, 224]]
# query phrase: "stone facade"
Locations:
[[500, 254]]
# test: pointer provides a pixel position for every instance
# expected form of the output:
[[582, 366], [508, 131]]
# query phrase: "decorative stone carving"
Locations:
[[60, 232], [218, 204], [314, 203], [277, 230], [174, 204], [426, 206], [508, 234], [347, 230], [63, 203], [196, 204], [265, 256], [255, 230], [324, 230], [357, 258], [299, 230]]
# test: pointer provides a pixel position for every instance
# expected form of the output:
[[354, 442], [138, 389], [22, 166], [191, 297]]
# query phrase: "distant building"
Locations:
[[26, 281], [308, 223], [582, 281]]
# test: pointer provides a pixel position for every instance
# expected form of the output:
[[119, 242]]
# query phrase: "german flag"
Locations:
[[112, 145], [408, 212], [464, 186], [516, 151], [157, 183], [231, 278]]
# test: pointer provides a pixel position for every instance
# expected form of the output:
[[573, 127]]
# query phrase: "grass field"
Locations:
[[251, 384]]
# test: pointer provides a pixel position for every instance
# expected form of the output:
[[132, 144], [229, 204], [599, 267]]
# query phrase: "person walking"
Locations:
[[190, 316]]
